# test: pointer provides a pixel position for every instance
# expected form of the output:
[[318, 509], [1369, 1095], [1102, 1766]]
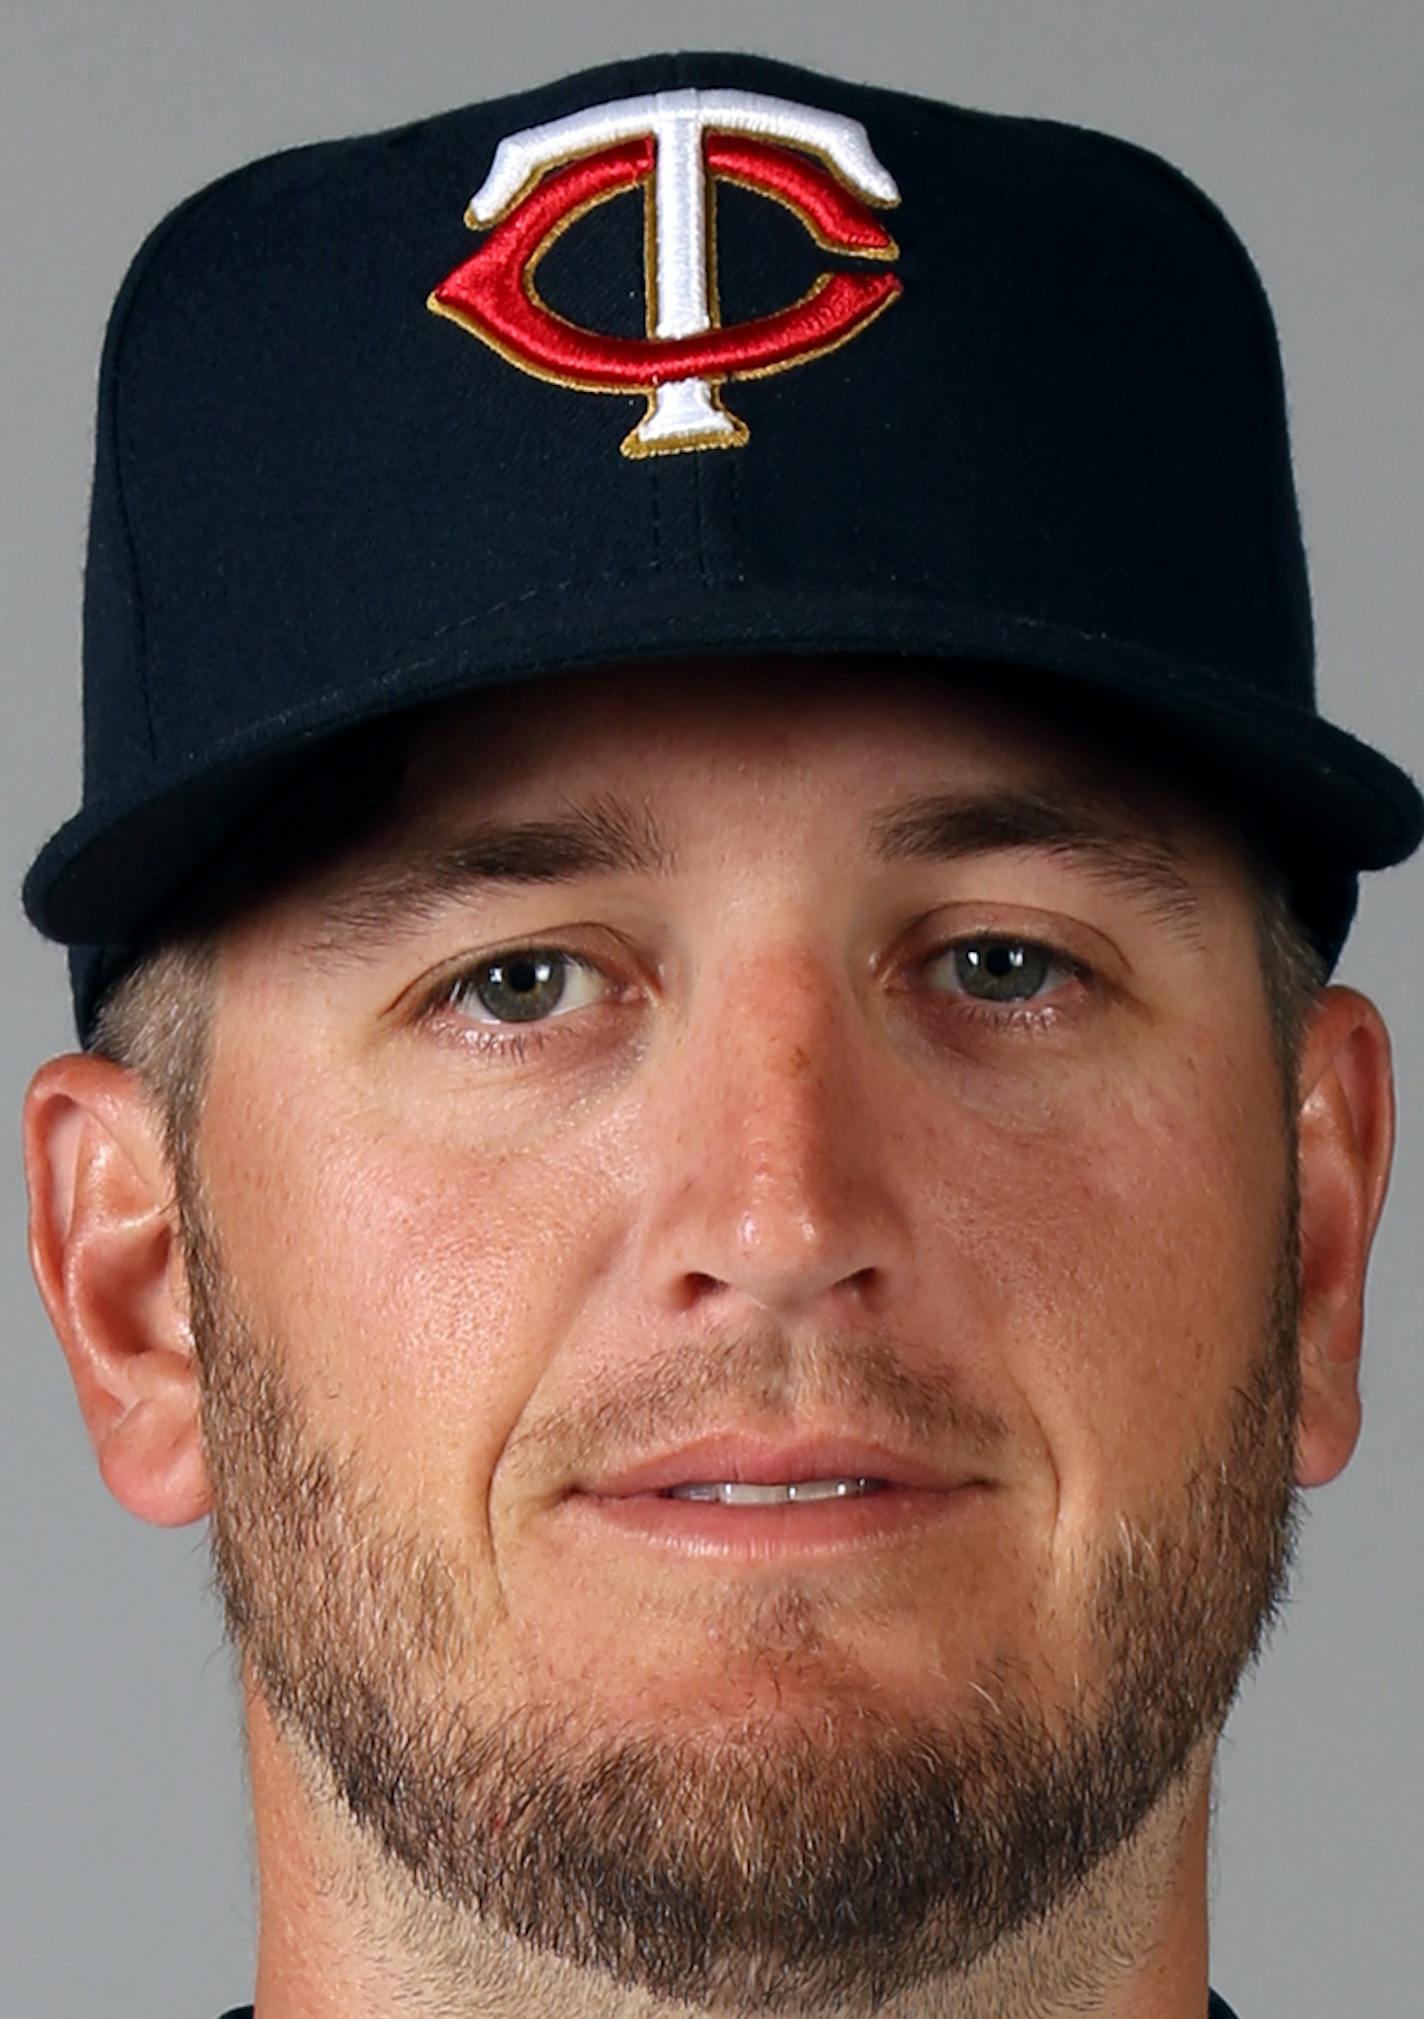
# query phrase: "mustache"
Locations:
[[766, 1380]]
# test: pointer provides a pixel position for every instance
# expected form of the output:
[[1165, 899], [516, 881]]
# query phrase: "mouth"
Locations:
[[817, 1464], [740, 1499]]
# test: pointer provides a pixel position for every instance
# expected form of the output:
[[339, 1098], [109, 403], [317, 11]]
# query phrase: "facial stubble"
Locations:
[[1003, 1859]]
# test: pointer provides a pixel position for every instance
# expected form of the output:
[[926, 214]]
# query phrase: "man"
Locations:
[[711, 1126]]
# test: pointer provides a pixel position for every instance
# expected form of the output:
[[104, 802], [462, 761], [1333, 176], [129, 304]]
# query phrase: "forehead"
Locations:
[[692, 728]]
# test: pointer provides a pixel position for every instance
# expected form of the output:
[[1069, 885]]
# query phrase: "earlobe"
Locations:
[[1346, 1142], [104, 1249]]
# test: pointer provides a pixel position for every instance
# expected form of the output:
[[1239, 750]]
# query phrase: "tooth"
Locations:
[[745, 1493]]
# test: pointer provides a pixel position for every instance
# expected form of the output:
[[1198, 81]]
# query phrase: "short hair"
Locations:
[[156, 1017]]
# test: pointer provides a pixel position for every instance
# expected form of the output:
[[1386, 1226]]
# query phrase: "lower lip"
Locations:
[[773, 1534]]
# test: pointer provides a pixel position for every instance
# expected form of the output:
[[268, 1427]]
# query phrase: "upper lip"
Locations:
[[732, 1455]]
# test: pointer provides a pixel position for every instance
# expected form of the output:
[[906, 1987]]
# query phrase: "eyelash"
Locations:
[[499, 1041]]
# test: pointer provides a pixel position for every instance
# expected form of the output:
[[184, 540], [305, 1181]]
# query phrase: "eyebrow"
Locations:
[[1116, 845], [606, 835]]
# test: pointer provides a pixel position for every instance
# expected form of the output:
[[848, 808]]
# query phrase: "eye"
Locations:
[[995, 969], [524, 985]]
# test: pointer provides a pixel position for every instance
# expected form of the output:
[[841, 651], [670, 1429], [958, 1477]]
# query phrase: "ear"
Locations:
[[1346, 1122], [106, 1256]]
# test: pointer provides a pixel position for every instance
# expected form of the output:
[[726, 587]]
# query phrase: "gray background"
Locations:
[[125, 1881]]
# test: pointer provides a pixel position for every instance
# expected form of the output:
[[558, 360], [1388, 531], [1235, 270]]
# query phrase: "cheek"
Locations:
[[1119, 1260], [417, 1291]]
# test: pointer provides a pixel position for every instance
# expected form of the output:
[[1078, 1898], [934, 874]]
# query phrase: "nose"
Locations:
[[776, 1170]]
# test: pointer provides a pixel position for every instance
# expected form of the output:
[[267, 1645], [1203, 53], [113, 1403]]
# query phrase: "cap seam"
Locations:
[[924, 584], [432, 648]]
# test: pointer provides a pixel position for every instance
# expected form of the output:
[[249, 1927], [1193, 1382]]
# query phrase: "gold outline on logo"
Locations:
[[739, 434]]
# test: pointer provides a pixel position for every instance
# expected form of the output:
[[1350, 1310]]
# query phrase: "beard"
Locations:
[[1003, 1860]]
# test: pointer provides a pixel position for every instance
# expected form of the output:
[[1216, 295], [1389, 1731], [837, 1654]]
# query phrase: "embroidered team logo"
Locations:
[[677, 145]]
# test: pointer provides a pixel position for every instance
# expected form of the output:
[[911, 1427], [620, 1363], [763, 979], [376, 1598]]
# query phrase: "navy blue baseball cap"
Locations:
[[688, 355]]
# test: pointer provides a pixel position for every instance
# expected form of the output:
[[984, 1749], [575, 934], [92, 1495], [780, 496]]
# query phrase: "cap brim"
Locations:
[[1331, 802]]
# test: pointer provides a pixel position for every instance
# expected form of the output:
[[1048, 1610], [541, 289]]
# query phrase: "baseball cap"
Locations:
[[689, 355]]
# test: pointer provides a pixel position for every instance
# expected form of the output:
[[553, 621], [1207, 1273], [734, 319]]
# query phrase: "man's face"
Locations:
[[957, 1143]]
